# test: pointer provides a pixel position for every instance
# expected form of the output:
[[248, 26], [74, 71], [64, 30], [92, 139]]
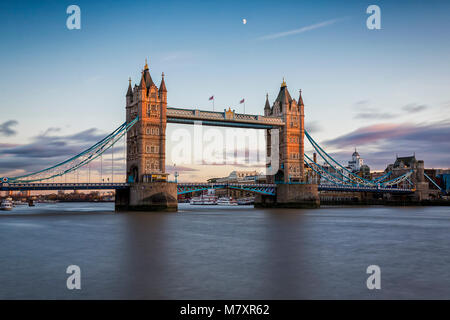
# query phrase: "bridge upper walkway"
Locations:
[[227, 118]]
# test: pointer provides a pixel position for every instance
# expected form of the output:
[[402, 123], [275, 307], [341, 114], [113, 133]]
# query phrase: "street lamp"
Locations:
[[176, 173]]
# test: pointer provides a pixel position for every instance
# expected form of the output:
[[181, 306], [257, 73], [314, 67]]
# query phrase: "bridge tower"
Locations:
[[147, 139], [291, 136], [146, 144], [292, 188]]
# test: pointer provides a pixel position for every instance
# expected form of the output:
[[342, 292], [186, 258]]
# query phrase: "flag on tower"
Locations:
[[212, 98], [242, 101]]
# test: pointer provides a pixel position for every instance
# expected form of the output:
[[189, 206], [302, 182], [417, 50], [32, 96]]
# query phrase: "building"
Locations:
[[147, 138], [291, 136], [238, 177], [356, 162], [404, 165], [405, 162], [364, 172]]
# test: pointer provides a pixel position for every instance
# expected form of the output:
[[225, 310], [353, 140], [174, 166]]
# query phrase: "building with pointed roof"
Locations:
[[146, 139], [291, 136]]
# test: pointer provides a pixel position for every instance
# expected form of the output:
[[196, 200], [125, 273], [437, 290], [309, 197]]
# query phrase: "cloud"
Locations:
[[430, 141], [46, 149], [6, 130], [414, 108], [173, 169], [8, 145], [361, 103], [372, 114], [51, 129], [313, 127], [301, 30]]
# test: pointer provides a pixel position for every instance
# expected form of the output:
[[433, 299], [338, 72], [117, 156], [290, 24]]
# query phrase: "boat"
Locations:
[[205, 199], [246, 201], [227, 201], [6, 204], [31, 203]]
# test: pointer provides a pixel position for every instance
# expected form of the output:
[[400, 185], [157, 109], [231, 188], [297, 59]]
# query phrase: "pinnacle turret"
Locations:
[[130, 90], [267, 106], [162, 86], [300, 99]]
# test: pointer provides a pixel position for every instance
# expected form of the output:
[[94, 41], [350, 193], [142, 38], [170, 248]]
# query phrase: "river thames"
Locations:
[[212, 252]]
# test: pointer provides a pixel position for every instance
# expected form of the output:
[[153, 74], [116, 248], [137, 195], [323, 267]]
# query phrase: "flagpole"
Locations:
[[213, 102]]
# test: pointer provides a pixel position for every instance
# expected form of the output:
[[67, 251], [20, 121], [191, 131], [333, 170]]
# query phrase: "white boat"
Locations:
[[227, 201], [6, 204], [246, 201], [205, 199]]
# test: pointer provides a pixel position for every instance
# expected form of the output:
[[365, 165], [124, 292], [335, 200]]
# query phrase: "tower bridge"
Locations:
[[294, 178]]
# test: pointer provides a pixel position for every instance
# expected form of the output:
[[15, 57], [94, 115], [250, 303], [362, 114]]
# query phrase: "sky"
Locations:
[[384, 92]]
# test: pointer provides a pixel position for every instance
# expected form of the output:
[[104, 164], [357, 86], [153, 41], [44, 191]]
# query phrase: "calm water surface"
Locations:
[[224, 252]]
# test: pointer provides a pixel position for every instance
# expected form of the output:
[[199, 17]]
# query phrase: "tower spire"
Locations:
[[142, 84], [146, 64], [162, 86], [267, 106], [300, 99], [130, 91], [283, 84]]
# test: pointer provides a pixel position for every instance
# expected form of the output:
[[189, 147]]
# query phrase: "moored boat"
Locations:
[[205, 199], [6, 204], [227, 201], [246, 201]]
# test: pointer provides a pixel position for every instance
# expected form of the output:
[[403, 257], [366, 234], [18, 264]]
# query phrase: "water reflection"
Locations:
[[224, 252]]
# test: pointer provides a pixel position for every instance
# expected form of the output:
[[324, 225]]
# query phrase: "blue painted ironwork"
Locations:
[[268, 189], [350, 178], [334, 187], [61, 186], [433, 182]]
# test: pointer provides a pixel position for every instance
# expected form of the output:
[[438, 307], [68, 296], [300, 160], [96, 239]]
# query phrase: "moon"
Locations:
[[244, 21]]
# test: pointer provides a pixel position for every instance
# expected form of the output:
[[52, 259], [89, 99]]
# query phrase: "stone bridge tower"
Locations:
[[149, 189], [291, 136], [288, 172], [146, 139]]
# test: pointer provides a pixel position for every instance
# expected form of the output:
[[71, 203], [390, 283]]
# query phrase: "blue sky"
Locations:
[[356, 82]]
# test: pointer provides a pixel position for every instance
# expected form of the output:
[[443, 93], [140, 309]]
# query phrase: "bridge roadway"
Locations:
[[269, 189]]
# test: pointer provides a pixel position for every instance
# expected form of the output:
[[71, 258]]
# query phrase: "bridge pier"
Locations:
[[147, 196], [291, 196]]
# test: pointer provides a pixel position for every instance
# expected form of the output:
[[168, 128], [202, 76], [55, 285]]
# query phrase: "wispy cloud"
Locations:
[[374, 114], [6, 130], [371, 113], [301, 30], [414, 107]]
